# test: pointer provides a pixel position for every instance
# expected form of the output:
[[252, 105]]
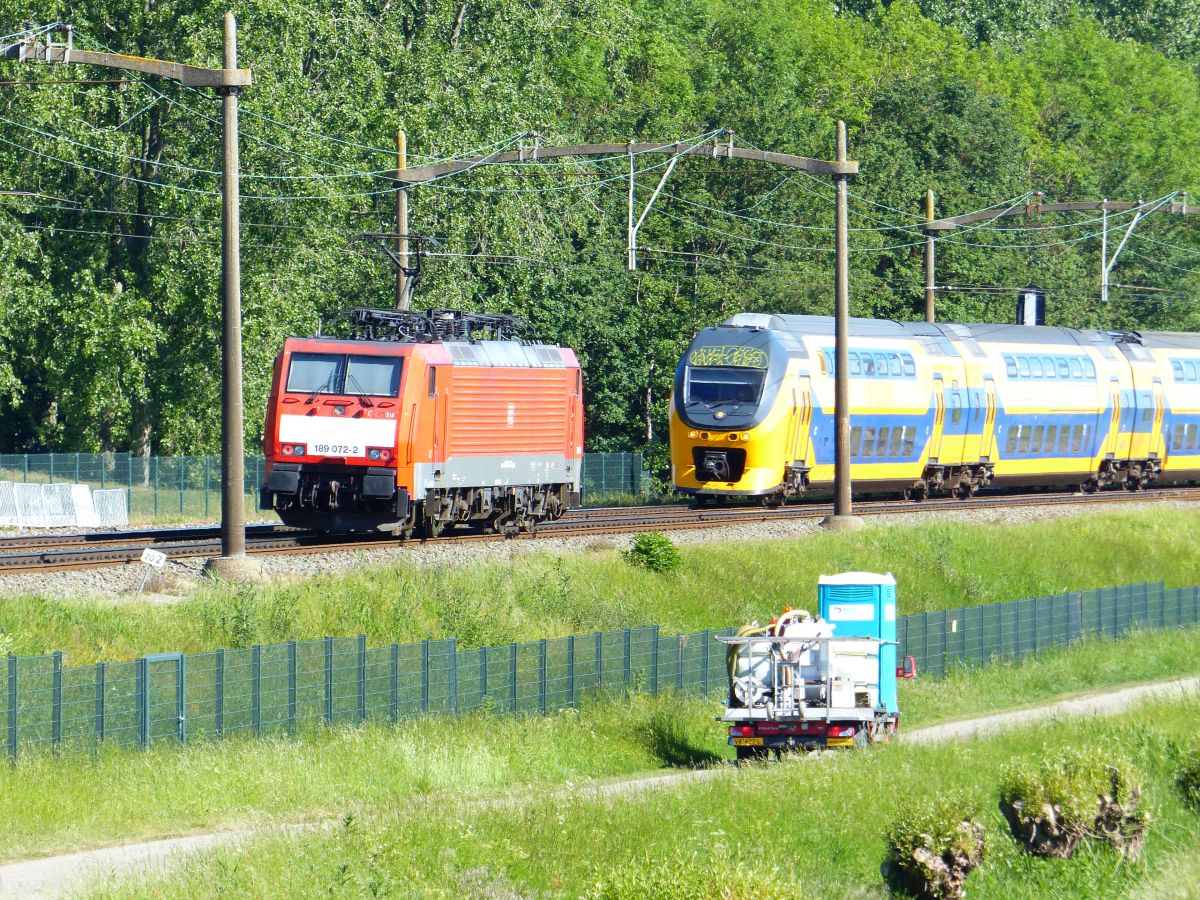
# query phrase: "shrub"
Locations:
[[1188, 774], [1074, 793], [935, 844], [654, 551], [684, 877]]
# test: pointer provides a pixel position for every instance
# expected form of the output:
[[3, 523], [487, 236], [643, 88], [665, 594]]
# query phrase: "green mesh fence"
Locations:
[[173, 488], [279, 688]]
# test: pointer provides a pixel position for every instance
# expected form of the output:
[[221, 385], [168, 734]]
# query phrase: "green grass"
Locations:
[[51, 804], [938, 566], [817, 823]]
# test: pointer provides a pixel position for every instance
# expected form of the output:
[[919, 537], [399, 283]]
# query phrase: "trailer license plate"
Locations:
[[839, 742], [747, 742]]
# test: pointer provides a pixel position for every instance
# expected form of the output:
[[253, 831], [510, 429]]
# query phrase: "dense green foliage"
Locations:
[[654, 551], [109, 317]]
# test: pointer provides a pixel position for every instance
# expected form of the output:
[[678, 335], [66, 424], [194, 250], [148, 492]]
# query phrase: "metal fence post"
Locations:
[[99, 702], [512, 678], [542, 675], [12, 703], [452, 688], [143, 702], [181, 465], [599, 659], [328, 680], [51, 455], [207, 465], [219, 700], [78, 480], [483, 673], [628, 665], [707, 639], [56, 700], [679, 664], [181, 699], [256, 688], [425, 676], [362, 678], [571, 670], [394, 682], [292, 679], [654, 663]]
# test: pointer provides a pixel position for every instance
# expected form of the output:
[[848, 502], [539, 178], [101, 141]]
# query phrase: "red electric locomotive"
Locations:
[[423, 420]]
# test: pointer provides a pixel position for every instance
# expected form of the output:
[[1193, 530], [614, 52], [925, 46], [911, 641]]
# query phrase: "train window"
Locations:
[[1010, 366], [1023, 441], [315, 373], [578, 382], [1077, 439], [1147, 414], [955, 408], [1064, 368], [432, 381], [868, 363], [855, 364], [1010, 442], [1177, 369], [1039, 434], [1048, 362], [1089, 368], [1023, 366], [868, 449], [1190, 368], [881, 364], [713, 385], [1076, 368], [881, 442], [1051, 438], [1035, 367], [1177, 439], [1191, 437], [894, 443], [1064, 439], [910, 437], [375, 376], [894, 365], [855, 439], [910, 367]]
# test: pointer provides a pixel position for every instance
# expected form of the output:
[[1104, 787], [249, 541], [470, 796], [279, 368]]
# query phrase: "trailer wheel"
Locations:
[[750, 754]]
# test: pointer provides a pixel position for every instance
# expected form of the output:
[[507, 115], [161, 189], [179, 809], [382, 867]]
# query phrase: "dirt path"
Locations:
[[57, 875]]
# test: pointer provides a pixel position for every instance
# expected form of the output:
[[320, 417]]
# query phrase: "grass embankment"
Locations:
[[808, 828], [939, 566], [53, 804]]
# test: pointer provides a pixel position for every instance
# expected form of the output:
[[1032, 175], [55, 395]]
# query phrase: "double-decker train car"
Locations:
[[420, 421], [935, 407]]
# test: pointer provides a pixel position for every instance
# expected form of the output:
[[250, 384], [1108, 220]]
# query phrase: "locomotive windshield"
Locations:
[[336, 373], [706, 385]]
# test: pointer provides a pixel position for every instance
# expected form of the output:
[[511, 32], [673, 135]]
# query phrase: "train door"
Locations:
[[988, 438], [939, 418], [1114, 425], [803, 413], [1158, 443]]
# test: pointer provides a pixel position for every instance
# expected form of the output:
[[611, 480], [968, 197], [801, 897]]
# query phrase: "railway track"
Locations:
[[56, 552]]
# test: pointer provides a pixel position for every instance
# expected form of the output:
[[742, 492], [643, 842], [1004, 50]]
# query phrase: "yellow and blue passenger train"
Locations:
[[934, 408]]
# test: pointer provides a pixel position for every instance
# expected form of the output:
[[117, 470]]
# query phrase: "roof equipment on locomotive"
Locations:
[[422, 420], [935, 407]]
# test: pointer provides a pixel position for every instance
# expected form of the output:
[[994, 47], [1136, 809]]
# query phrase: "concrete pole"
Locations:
[[930, 261], [1104, 250], [842, 517], [402, 297], [233, 562]]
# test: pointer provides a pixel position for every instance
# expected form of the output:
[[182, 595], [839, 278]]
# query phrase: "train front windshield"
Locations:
[[724, 385], [336, 373]]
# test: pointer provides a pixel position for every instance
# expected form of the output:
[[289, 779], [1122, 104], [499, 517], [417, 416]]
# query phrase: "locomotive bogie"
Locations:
[[935, 408]]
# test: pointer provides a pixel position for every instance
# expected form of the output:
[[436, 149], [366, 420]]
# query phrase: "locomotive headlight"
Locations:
[[719, 414], [286, 449], [745, 436], [374, 453], [693, 434], [339, 410]]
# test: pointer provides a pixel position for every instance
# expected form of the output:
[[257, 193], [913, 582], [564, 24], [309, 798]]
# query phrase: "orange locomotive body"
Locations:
[[416, 428]]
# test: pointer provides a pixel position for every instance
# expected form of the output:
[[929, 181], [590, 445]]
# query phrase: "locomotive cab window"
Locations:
[[315, 373], [705, 385], [375, 376]]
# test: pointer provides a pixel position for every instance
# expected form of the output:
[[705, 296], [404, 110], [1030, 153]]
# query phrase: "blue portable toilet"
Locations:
[[863, 604]]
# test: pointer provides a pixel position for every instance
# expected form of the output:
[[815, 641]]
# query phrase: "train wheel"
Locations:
[[1090, 486], [771, 501]]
